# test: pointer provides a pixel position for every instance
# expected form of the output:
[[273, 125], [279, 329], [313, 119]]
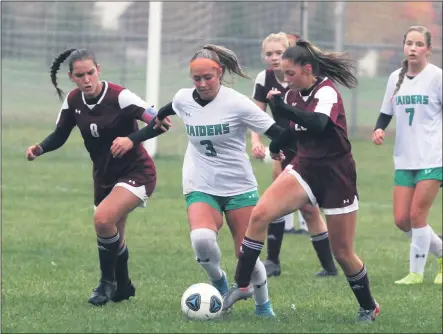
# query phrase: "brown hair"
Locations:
[[73, 55], [224, 57], [404, 63], [334, 65]]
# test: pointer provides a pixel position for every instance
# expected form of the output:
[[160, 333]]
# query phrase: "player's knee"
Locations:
[[403, 222], [103, 220], [259, 217], [343, 252], [202, 239], [417, 216]]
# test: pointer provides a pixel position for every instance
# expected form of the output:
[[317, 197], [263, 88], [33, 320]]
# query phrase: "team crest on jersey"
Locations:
[[78, 111]]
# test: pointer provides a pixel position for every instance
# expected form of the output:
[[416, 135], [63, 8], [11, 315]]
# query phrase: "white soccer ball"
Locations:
[[202, 302]]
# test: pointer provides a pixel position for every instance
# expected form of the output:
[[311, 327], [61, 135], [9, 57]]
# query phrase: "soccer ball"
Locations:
[[202, 302]]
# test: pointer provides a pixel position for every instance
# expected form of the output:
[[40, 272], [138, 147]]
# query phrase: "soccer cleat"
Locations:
[[264, 310], [104, 292], [438, 278], [369, 315], [325, 273], [272, 268], [235, 294], [412, 278], [124, 292], [221, 284]]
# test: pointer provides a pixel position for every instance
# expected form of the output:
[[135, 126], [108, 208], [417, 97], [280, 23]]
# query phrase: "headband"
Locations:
[[204, 62]]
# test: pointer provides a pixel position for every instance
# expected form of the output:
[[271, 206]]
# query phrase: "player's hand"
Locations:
[[271, 94], [163, 124], [33, 152], [378, 137], [120, 146], [278, 156], [258, 150]]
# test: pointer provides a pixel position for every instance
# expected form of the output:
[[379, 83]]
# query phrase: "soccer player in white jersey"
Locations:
[[217, 175], [273, 47], [414, 96]]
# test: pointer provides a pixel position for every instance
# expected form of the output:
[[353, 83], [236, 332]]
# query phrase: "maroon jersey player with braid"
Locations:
[[104, 111]]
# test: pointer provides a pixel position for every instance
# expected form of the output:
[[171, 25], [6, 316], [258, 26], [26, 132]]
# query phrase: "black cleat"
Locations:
[[124, 293], [272, 268], [325, 273], [104, 292]]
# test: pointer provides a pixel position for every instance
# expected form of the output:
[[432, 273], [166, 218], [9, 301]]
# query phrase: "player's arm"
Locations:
[[260, 100], [255, 137], [153, 129], [383, 121], [313, 121], [64, 125], [55, 140]]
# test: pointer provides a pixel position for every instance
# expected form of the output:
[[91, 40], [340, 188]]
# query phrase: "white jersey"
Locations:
[[417, 107], [216, 161]]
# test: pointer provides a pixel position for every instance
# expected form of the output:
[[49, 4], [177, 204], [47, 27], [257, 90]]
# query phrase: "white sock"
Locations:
[[207, 252], [436, 243], [289, 221], [302, 221], [260, 283], [421, 240]]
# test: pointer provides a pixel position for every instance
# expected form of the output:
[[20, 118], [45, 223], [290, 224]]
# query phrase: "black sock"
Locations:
[[249, 252], [121, 267], [276, 231], [323, 250], [360, 286], [107, 253]]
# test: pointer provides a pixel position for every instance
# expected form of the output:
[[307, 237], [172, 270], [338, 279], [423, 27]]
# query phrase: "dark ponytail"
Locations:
[[334, 65]]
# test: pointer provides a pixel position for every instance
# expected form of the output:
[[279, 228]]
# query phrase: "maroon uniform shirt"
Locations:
[[114, 115], [324, 160]]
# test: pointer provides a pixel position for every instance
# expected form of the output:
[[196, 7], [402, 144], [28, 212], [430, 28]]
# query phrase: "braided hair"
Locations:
[[73, 55]]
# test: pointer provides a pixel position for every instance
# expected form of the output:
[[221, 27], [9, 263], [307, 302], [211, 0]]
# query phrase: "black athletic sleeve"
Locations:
[[274, 131], [145, 133], [285, 138], [383, 121], [260, 93], [148, 131], [56, 139], [165, 111], [312, 121]]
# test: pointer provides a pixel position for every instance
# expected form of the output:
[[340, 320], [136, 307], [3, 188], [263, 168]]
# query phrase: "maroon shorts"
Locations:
[[139, 183], [332, 184]]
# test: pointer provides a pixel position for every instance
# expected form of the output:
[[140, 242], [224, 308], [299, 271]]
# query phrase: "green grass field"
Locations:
[[50, 262]]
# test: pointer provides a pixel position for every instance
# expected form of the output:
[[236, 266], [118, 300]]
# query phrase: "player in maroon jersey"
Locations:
[[273, 47], [103, 111], [323, 171]]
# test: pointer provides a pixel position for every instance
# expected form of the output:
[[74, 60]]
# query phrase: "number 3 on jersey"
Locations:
[[410, 111], [94, 130], [210, 150]]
